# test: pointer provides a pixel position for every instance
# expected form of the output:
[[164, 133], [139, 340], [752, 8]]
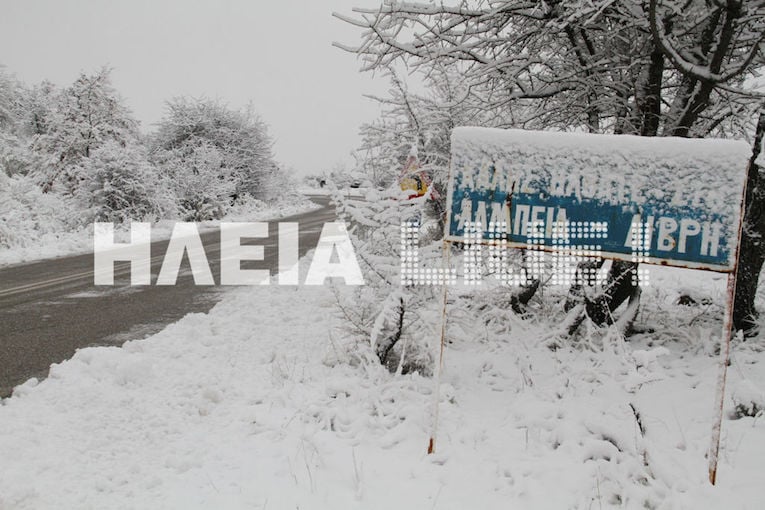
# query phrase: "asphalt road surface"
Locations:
[[51, 308]]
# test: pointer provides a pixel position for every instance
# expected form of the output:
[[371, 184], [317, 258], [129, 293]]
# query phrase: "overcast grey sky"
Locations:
[[276, 53]]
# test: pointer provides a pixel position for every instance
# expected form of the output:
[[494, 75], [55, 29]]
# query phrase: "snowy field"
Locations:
[[34, 246], [263, 403]]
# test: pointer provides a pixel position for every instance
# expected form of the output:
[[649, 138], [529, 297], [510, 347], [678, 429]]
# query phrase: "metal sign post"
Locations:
[[440, 364], [727, 333], [714, 446]]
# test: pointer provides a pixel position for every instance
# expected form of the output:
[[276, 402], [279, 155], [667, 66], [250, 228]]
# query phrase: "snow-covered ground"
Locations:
[[262, 404], [59, 244]]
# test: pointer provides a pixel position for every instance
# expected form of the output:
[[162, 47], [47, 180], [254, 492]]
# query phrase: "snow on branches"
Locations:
[[602, 66]]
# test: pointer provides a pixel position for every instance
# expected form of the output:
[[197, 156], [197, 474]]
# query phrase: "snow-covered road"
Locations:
[[49, 309]]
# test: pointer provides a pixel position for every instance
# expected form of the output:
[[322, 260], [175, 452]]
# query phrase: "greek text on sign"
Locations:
[[675, 200]]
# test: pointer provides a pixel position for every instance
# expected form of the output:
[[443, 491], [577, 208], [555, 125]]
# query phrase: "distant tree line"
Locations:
[[72, 155]]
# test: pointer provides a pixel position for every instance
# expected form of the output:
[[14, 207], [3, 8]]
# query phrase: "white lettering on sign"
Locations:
[[689, 192]]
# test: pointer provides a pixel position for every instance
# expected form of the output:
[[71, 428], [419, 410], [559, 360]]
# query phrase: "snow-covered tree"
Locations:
[[423, 121], [40, 103], [655, 67], [339, 174], [69, 125], [120, 185], [411, 136], [8, 100], [420, 120], [200, 187], [194, 129], [12, 154], [26, 214], [602, 65]]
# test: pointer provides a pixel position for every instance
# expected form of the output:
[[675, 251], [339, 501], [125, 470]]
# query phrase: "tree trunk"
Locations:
[[619, 288], [621, 285], [752, 251]]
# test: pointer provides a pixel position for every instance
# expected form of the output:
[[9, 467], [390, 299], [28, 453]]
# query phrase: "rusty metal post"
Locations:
[[714, 447]]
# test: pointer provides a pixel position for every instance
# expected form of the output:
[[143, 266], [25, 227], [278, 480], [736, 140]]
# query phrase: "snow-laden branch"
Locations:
[[696, 71], [529, 9]]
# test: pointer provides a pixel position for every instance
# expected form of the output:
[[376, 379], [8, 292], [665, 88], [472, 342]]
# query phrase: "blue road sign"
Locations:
[[672, 201]]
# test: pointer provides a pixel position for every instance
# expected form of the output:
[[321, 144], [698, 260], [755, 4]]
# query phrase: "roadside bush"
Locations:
[[27, 214], [397, 321], [120, 185]]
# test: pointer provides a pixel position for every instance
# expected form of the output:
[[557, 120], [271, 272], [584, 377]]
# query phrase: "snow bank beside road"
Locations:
[[257, 404], [32, 245]]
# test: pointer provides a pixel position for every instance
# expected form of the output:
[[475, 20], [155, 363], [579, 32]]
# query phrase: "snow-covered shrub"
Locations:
[[248, 208], [28, 215], [67, 126], [15, 158], [748, 400], [119, 185], [202, 192], [233, 145], [276, 184], [396, 320], [245, 207]]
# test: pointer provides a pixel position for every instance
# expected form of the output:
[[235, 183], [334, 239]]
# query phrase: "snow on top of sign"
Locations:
[[664, 146], [707, 174]]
